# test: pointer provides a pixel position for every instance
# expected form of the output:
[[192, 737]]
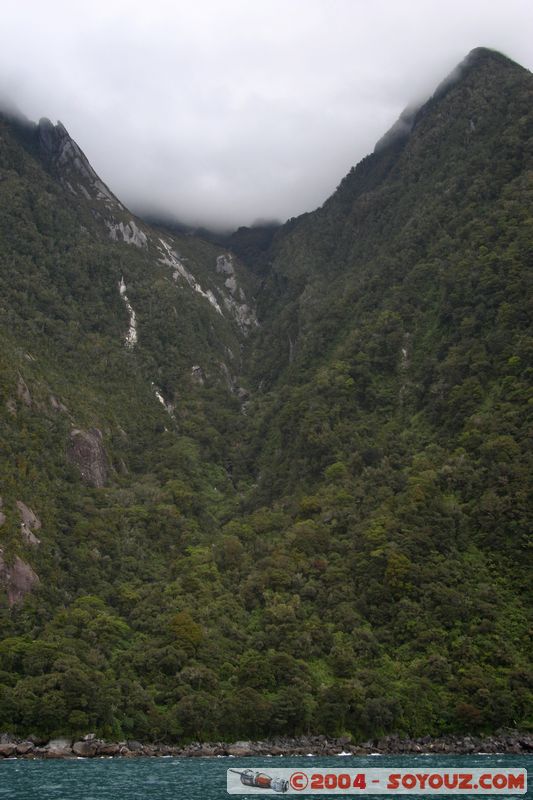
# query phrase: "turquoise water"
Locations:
[[190, 778]]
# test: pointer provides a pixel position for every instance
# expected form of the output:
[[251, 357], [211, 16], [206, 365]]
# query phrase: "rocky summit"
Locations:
[[272, 485]]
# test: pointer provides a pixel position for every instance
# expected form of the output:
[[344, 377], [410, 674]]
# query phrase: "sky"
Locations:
[[226, 112]]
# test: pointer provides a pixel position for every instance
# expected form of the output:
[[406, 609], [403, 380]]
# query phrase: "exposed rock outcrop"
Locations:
[[129, 233], [30, 522], [131, 336], [17, 578], [235, 299], [86, 451], [85, 749], [171, 259], [167, 405], [63, 744], [197, 374], [318, 746], [62, 153]]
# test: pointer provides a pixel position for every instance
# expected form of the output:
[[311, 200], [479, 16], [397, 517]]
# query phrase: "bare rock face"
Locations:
[[53, 754], [128, 233], [235, 299], [85, 749], [30, 522], [60, 744], [62, 152], [23, 748], [197, 374], [18, 579], [240, 749], [109, 750], [86, 451], [28, 517]]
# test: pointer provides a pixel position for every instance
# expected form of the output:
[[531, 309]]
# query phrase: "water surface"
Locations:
[[194, 778]]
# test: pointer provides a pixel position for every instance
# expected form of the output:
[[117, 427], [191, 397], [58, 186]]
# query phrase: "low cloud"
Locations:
[[222, 113]]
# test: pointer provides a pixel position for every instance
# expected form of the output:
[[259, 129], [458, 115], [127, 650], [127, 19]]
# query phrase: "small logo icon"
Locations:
[[299, 781], [262, 781]]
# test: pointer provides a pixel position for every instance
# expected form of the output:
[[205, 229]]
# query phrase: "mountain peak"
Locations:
[[483, 54], [61, 152], [479, 59], [51, 137]]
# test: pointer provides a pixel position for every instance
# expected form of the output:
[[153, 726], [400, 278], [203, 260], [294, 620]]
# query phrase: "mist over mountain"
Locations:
[[273, 481], [219, 115]]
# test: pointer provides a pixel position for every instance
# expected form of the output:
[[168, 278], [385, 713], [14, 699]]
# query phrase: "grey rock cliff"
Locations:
[[62, 153], [17, 578], [86, 451], [30, 522]]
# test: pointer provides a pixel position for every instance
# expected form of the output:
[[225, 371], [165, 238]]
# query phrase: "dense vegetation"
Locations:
[[330, 532]]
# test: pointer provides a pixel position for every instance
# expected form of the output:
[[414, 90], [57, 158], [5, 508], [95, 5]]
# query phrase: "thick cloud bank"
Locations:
[[222, 113]]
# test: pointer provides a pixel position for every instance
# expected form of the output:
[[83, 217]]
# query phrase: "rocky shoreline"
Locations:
[[509, 742]]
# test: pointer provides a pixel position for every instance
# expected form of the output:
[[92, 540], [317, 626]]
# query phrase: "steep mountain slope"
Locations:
[[119, 371], [213, 527], [101, 310], [406, 296]]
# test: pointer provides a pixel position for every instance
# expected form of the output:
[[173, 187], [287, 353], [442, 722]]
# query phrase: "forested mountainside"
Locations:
[[281, 488]]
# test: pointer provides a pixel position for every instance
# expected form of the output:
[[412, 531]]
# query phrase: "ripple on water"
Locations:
[[169, 778]]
